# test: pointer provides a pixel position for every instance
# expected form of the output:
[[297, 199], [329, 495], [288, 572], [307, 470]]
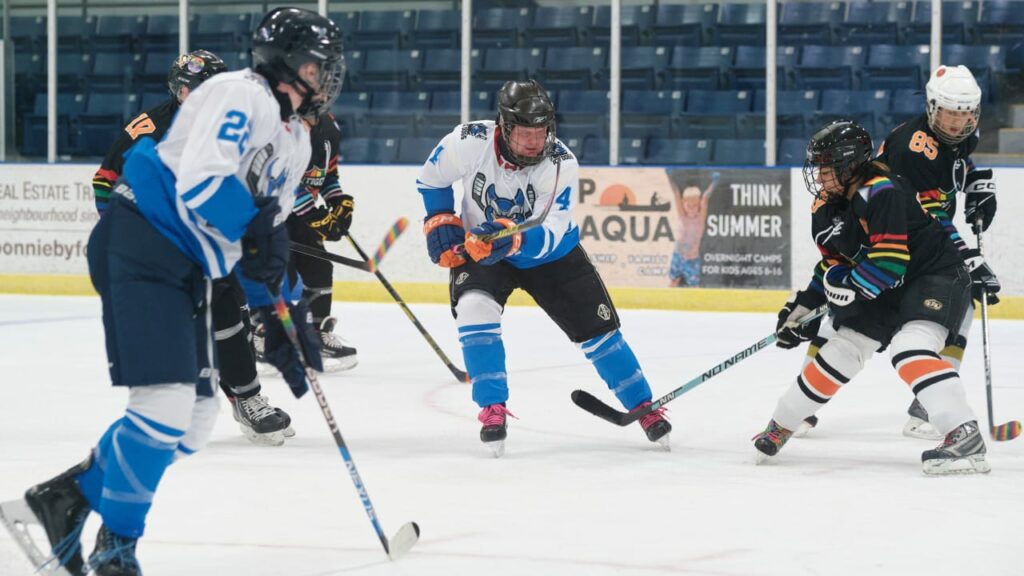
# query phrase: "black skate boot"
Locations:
[[917, 425], [770, 441], [336, 353], [656, 426], [962, 452], [59, 506], [114, 555], [260, 422], [495, 428]]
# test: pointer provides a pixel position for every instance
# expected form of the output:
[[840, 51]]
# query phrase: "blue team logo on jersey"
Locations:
[[517, 209], [274, 183]]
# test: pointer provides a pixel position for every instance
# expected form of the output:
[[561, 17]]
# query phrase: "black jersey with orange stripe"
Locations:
[[153, 123], [321, 177]]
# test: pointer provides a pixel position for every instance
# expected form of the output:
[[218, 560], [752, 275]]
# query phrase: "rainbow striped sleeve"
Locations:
[[934, 202], [885, 261]]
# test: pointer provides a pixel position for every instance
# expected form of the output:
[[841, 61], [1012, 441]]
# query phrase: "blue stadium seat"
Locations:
[[634, 21], [706, 126], [631, 150], [892, 67], [384, 29], [793, 112], [683, 24], [72, 70], [791, 152], [594, 151], [740, 25], [355, 62], [235, 60], [67, 104], [503, 64], [646, 113], [906, 104], [222, 32], [117, 105], [803, 23], [573, 68], [500, 27], [389, 69], [114, 72], [29, 66], [415, 150], [367, 150], [350, 110], [436, 29], [719, 101], [118, 32], [28, 33], [35, 134], [1000, 22], [394, 114], [582, 113], [151, 99], [876, 102], [669, 151], [162, 33], [348, 23], [560, 26], [642, 67], [748, 73], [74, 33], [442, 68], [825, 67], [874, 22], [697, 68], [450, 101], [738, 152], [958, 22]]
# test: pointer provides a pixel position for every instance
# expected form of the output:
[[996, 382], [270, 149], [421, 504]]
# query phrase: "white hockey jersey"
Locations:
[[495, 189], [226, 145]]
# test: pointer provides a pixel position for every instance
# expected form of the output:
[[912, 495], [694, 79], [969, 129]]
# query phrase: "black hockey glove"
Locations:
[[279, 351], [342, 207], [982, 277], [265, 246], [980, 198], [789, 332]]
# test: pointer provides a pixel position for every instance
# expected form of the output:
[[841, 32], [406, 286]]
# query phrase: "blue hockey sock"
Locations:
[[618, 367], [140, 449], [484, 353], [90, 482]]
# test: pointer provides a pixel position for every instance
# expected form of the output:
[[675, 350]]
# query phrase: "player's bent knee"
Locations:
[[918, 335], [169, 405], [477, 307]]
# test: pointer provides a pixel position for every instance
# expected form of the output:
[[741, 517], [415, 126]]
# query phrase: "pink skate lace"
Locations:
[[494, 415], [775, 433], [654, 416]]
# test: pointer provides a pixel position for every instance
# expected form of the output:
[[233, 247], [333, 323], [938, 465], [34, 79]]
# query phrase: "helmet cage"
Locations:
[[934, 107], [532, 109], [844, 154]]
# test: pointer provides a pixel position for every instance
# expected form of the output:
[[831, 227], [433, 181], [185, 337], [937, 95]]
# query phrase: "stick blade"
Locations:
[[403, 540], [590, 403], [460, 375], [1006, 432]]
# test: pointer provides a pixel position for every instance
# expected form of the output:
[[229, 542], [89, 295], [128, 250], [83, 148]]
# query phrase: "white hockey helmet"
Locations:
[[953, 88]]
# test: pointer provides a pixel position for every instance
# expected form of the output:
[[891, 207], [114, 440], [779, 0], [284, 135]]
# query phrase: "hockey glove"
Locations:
[[789, 332], [980, 199], [837, 286], [982, 277], [264, 245], [444, 232], [279, 351], [341, 207], [488, 253]]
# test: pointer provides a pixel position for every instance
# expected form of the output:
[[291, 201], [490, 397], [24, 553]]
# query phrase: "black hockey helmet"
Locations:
[[525, 103], [192, 69], [288, 38], [843, 147]]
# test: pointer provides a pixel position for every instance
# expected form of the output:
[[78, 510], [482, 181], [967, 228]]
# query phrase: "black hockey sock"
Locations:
[[232, 330], [319, 300]]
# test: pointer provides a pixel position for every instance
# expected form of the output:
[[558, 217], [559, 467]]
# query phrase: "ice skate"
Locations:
[[495, 428], [806, 426], [918, 426], [114, 555], [336, 353], [60, 509], [260, 422], [961, 452], [656, 426], [769, 442]]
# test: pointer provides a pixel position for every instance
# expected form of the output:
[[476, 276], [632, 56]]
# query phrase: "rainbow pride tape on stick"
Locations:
[[396, 230]]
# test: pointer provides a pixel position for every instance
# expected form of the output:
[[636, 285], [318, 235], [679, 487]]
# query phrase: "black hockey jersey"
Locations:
[[935, 170], [882, 234], [321, 177], [153, 123]]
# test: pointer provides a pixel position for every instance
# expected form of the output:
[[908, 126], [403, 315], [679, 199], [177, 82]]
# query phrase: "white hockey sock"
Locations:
[[935, 382]]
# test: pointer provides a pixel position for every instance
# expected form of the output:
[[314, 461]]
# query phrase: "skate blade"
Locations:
[[802, 430], [921, 429], [403, 540], [340, 364], [267, 439], [665, 442], [760, 457], [975, 464], [16, 516], [497, 448], [289, 432]]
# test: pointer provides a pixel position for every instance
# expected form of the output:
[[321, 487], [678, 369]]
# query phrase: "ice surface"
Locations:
[[573, 495]]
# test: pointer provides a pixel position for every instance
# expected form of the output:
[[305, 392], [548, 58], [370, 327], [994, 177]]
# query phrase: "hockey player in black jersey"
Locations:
[[323, 213], [261, 423], [891, 276]]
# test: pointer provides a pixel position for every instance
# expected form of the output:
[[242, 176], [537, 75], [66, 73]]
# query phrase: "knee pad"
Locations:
[[204, 417], [837, 361], [918, 335], [914, 352], [476, 308], [158, 407]]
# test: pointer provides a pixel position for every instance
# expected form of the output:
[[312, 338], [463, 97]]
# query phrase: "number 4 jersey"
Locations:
[[226, 145]]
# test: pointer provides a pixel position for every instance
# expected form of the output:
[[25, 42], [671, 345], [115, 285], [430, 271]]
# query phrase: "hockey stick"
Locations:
[[591, 404], [1011, 429], [460, 375], [324, 255], [409, 533], [368, 264]]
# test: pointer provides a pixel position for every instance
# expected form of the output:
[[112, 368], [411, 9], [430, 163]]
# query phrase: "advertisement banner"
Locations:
[[686, 227], [46, 214]]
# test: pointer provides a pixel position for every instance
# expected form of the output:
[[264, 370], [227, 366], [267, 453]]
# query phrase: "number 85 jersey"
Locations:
[[226, 146], [494, 188]]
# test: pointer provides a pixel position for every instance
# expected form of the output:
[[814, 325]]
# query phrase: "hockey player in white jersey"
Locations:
[[510, 171], [214, 192]]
